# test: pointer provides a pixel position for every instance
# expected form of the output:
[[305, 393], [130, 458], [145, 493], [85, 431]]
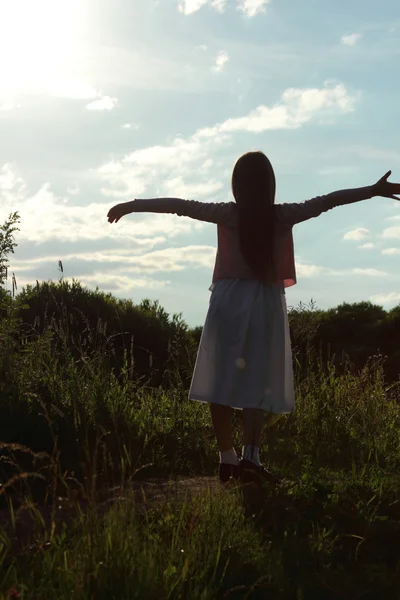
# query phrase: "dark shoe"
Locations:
[[228, 472], [252, 473]]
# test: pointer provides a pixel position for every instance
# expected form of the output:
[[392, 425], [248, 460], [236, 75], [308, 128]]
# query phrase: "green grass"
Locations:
[[77, 428], [327, 536]]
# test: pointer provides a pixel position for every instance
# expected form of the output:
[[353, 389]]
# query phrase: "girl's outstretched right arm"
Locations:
[[211, 212], [302, 211]]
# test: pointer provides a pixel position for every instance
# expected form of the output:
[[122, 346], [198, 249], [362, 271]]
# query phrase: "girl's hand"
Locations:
[[386, 189], [116, 212]]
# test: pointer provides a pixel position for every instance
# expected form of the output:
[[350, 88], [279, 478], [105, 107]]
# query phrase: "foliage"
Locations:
[[85, 322], [331, 531], [7, 243], [85, 412]]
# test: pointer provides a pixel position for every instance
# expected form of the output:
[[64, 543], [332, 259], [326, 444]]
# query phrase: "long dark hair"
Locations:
[[253, 187]]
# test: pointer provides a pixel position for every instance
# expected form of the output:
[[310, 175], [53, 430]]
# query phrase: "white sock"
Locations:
[[251, 453], [229, 457]]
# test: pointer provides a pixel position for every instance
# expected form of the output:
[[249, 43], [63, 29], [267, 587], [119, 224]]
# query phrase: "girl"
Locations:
[[244, 359]]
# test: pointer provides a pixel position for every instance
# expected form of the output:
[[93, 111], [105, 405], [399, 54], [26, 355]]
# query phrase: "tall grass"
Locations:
[[73, 429]]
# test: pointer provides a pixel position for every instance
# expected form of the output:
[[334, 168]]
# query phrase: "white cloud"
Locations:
[[307, 271], [191, 6], [390, 298], [12, 187], [367, 246], [391, 251], [351, 40], [356, 234], [131, 126], [188, 7], [369, 272], [173, 259], [122, 271], [139, 261], [391, 233], [180, 189], [121, 284], [297, 107], [73, 190], [46, 216], [252, 7], [220, 61], [189, 157], [82, 90], [104, 103], [219, 5], [184, 158]]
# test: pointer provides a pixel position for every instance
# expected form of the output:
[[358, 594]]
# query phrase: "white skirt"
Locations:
[[245, 358]]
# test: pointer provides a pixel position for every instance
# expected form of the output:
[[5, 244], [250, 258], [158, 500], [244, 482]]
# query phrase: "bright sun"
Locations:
[[38, 43]]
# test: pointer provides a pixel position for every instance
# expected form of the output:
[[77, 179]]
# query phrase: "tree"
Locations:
[[7, 244], [8, 319]]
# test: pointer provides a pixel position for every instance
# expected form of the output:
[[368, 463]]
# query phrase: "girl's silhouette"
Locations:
[[244, 359]]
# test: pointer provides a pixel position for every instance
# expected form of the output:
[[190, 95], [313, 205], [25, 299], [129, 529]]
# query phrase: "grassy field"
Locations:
[[75, 434], [107, 487]]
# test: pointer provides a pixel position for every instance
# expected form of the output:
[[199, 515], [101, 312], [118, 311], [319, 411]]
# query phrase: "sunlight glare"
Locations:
[[38, 42]]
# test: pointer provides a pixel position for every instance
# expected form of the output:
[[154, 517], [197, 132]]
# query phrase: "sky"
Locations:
[[104, 101]]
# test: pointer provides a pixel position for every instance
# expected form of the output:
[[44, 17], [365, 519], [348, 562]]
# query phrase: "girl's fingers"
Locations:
[[113, 218], [114, 215], [385, 177]]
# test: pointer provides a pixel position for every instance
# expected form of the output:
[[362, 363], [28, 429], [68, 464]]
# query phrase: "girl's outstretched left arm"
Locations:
[[297, 212], [218, 212]]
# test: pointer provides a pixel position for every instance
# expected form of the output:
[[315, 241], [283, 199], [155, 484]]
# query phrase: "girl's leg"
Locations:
[[222, 423], [253, 423], [251, 468]]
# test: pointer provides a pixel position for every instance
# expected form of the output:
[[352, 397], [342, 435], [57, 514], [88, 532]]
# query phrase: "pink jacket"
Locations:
[[229, 261]]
